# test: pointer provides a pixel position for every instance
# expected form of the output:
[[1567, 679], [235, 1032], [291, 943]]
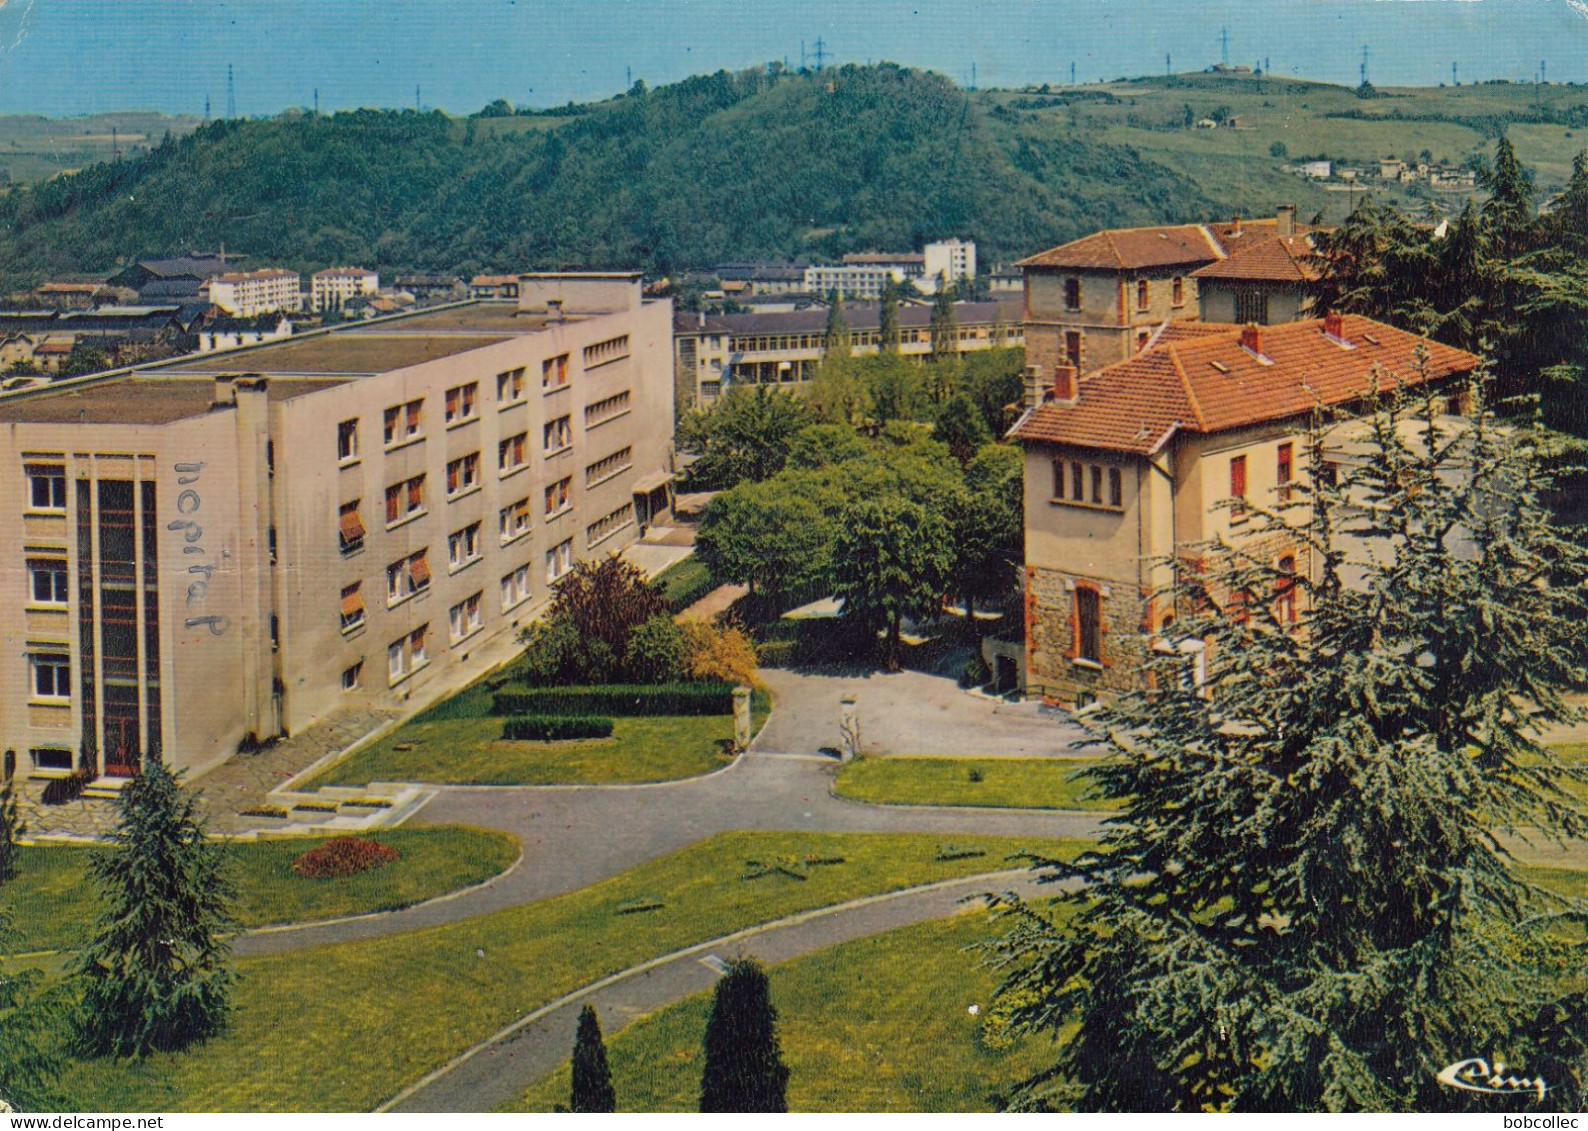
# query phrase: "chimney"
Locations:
[[1066, 384], [1334, 325], [1235, 229], [1252, 338], [1032, 388], [225, 390], [554, 310], [1286, 219]]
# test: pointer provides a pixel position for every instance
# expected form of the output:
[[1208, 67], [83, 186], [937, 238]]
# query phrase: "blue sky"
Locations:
[[64, 57]]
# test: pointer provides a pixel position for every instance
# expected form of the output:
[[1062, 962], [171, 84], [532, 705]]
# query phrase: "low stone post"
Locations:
[[741, 717], [849, 729]]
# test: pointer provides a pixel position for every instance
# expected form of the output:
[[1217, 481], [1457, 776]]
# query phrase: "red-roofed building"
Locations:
[[1128, 465], [1097, 300], [1263, 283]]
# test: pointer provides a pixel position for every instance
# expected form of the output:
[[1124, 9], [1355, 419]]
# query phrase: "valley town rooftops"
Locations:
[[1218, 381]]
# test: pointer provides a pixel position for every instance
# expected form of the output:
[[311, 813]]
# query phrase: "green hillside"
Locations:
[[759, 165], [714, 167]]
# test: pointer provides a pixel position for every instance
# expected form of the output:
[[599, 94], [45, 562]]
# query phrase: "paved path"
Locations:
[[620, 827], [501, 1068], [912, 713]]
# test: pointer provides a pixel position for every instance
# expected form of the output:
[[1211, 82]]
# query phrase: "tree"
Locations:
[[31, 1017], [745, 435], [1509, 210], [989, 530], [1279, 149], [1303, 904], [891, 560], [837, 344], [84, 357], [596, 610], [774, 537], [744, 1069], [888, 319], [944, 328], [961, 427], [154, 977], [592, 1079], [11, 827]]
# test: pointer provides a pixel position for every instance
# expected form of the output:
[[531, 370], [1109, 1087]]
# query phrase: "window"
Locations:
[[1077, 482], [1285, 591], [404, 422], [1116, 488], [607, 408], [1072, 347], [1058, 479], [350, 527], [554, 372], [353, 677], [510, 453], [464, 546], [465, 617], [460, 404], [559, 560], [347, 441], [47, 581], [559, 496], [1286, 467], [463, 474], [404, 500], [1177, 291], [514, 520], [1143, 296], [47, 488], [1097, 485], [1088, 624], [510, 386], [606, 526], [51, 758], [352, 606], [1142, 338], [558, 434], [608, 466], [515, 588], [1072, 294], [407, 655], [52, 676], [1238, 486], [612, 349], [407, 576], [1251, 306]]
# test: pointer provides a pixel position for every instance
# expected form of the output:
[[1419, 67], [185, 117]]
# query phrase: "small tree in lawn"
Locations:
[[891, 560], [1306, 902], [744, 1066], [154, 976], [592, 1079]]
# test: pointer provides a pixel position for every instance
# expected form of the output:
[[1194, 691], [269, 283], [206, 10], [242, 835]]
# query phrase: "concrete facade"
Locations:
[[228, 549]]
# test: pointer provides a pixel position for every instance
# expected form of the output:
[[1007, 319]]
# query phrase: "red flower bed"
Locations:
[[344, 856]]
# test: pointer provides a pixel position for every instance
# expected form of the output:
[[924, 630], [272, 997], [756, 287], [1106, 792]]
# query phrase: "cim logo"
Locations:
[[1478, 1075]]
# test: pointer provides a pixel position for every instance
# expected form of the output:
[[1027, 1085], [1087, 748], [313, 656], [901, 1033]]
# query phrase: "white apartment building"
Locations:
[[247, 293], [330, 289]]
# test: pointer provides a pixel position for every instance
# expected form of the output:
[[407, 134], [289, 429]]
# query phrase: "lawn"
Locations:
[[999, 783], [878, 1024], [53, 902], [343, 1028]]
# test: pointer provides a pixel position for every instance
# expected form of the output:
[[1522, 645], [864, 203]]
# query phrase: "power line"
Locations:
[[1364, 64], [821, 54]]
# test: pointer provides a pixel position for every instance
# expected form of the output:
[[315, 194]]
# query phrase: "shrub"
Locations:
[[556, 728], [61, 790], [975, 674], [623, 700], [656, 650], [585, 637], [343, 856], [685, 583], [724, 654], [776, 653]]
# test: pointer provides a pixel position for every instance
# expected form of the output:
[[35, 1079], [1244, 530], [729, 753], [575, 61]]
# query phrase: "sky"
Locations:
[[67, 57]]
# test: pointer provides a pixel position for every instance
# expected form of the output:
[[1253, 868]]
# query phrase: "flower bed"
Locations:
[[344, 856]]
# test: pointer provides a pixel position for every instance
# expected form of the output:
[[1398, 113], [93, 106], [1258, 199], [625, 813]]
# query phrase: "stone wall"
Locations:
[[1051, 671]]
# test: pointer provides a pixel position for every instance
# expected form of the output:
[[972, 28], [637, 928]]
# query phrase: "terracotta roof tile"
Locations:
[[1278, 259], [1211, 383], [1170, 245]]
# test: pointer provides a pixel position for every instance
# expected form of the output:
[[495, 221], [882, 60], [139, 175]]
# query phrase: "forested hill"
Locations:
[[715, 167]]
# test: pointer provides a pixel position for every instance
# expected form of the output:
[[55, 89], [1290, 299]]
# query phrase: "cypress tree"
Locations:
[[945, 329], [592, 1079], [744, 1067], [154, 976], [888, 319], [1304, 904], [837, 346]]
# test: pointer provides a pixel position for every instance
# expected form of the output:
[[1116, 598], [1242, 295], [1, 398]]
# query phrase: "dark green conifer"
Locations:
[[744, 1067], [592, 1079]]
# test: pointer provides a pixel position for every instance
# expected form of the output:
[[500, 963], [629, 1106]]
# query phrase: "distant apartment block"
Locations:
[[228, 548], [712, 352], [493, 286], [245, 294], [952, 260], [332, 288]]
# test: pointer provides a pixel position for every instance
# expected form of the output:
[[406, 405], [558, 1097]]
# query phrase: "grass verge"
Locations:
[[314, 1030], [54, 904], [878, 1024], [999, 783]]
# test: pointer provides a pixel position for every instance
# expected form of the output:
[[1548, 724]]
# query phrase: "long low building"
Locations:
[[711, 352], [225, 549]]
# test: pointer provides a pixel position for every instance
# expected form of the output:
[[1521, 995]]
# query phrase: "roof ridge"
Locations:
[[1119, 258], [1185, 385], [1218, 248]]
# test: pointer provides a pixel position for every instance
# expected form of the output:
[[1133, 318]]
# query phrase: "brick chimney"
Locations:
[[1252, 338], [1032, 387], [1286, 219], [1334, 325], [1235, 229], [1066, 384]]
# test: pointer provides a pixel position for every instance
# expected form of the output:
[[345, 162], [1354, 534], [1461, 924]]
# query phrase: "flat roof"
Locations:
[[347, 353], [474, 316], [135, 400]]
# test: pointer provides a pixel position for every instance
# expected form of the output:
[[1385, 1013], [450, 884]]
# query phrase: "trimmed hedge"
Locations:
[[556, 728], [624, 700]]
